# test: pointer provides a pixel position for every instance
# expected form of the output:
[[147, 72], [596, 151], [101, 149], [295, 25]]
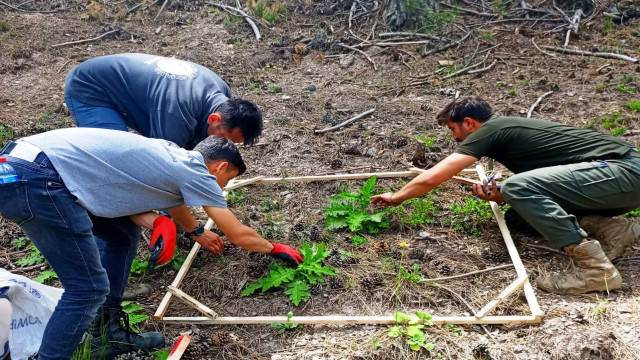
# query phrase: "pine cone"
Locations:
[[372, 281], [527, 254], [295, 235], [495, 256], [336, 164], [300, 48], [222, 338], [199, 346], [298, 227], [315, 234], [402, 142], [381, 247], [337, 282], [441, 267], [416, 254], [134, 355], [315, 289], [480, 350]]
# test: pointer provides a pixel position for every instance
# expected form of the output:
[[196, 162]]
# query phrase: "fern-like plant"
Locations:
[[296, 280], [349, 209]]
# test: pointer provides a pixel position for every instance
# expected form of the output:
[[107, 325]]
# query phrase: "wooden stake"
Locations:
[[180, 347], [503, 295], [241, 183], [191, 301]]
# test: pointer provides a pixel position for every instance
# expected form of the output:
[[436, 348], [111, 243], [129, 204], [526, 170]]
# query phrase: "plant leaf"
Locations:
[[298, 291], [277, 275], [251, 288], [356, 219], [400, 317], [395, 331], [333, 223]]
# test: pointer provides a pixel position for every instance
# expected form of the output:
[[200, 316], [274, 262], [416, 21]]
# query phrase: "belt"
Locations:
[[21, 150]]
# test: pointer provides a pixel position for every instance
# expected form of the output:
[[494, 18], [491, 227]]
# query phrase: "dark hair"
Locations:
[[216, 148], [245, 115], [472, 107]]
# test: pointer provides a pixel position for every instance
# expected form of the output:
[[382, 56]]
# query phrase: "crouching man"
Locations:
[[78, 184]]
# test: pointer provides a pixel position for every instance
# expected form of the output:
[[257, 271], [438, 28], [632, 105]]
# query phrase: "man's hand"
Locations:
[[210, 241], [485, 192], [163, 241], [386, 199], [286, 253]]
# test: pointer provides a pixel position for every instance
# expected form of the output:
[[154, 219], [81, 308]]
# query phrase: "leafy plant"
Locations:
[[132, 309], [468, 214], [419, 210], [161, 354], [269, 12], [19, 242], [608, 27], [274, 89], [139, 267], [512, 92], [6, 133], [287, 326], [412, 331], [618, 131], [46, 277], [298, 279], [348, 209], [634, 106], [236, 197], [635, 212], [427, 140], [412, 276], [358, 240], [625, 84], [34, 257]]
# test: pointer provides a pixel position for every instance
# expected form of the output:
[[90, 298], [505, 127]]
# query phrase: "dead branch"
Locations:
[[589, 53], [361, 52], [433, 51], [537, 103], [426, 36], [393, 43], [468, 11], [246, 16], [344, 123], [463, 70], [483, 69], [29, 11], [86, 40], [575, 23], [499, 267], [164, 4], [542, 51], [519, 20]]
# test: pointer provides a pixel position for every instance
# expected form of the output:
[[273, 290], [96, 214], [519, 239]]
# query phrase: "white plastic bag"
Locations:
[[32, 304], [5, 322]]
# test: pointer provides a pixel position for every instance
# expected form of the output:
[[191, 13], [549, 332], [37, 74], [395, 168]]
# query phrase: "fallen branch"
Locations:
[[345, 123], [575, 23], [426, 36], [164, 4], [433, 51], [469, 273], [463, 70], [542, 51], [86, 40], [246, 16], [29, 11], [589, 53], [483, 69], [537, 103], [361, 52]]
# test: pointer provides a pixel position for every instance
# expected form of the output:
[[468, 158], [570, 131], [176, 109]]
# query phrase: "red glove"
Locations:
[[163, 241], [286, 253]]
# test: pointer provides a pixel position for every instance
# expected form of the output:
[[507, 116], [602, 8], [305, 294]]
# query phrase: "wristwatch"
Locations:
[[198, 231]]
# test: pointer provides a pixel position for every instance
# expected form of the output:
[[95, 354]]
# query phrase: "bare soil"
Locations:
[[303, 88]]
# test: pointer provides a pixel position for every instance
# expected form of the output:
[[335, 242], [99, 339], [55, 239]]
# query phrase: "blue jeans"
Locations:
[[61, 229], [94, 116]]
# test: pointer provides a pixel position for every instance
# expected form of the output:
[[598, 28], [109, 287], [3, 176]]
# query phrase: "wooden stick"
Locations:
[[403, 33], [86, 40], [361, 52], [575, 23], [182, 273], [468, 11], [164, 4], [461, 71], [513, 253], [246, 16], [180, 347], [191, 301], [499, 267], [483, 69], [542, 51], [338, 177], [464, 171], [29, 11], [242, 183], [344, 123], [595, 54], [537, 102], [339, 319], [433, 51], [503, 295]]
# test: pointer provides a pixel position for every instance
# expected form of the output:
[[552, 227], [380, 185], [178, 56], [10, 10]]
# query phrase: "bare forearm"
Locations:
[[182, 216], [236, 232], [144, 219]]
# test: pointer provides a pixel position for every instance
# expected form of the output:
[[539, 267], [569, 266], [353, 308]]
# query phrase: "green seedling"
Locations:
[[412, 276], [6, 133], [349, 210], [618, 131], [634, 106], [33, 258], [274, 89], [412, 331], [358, 240], [46, 277], [287, 326], [4, 26], [19, 242], [608, 27], [132, 309], [631, 213], [428, 141], [161, 354], [298, 279]]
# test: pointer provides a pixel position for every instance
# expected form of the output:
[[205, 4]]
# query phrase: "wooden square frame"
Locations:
[[480, 317]]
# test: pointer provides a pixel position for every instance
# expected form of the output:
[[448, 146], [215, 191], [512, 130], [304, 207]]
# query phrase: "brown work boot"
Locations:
[[592, 271], [614, 234]]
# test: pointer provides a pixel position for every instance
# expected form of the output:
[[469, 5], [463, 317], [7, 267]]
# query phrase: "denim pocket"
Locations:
[[15, 203], [596, 179]]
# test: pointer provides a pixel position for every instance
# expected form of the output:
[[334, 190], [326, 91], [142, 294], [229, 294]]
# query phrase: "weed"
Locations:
[[366, 133], [418, 211], [231, 19], [634, 106], [19, 242], [274, 89], [348, 209], [412, 276], [268, 11], [132, 310], [287, 326], [456, 330], [625, 84], [358, 240], [252, 86], [412, 331], [526, 82], [499, 85], [500, 8], [618, 131], [236, 197], [50, 120], [427, 140], [4, 26], [468, 214], [6, 133], [631, 213], [608, 27], [432, 20], [487, 35], [83, 351], [600, 88], [34, 257], [46, 277], [297, 280], [139, 267], [161, 354]]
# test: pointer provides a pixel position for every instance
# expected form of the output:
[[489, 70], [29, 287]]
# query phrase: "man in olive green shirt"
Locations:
[[568, 183]]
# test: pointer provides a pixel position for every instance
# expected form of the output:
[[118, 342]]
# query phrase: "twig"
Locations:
[[361, 52], [519, 20], [589, 53], [575, 23], [463, 70], [546, 248], [246, 16], [63, 65], [483, 69], [28, 268], [29, 11], [469, 273], [433, 51], [537, 103], [344, 123], [402, 33], [392, 43], [86, 40], [468, 11], [135, 7], [542, 51], [164, 4]]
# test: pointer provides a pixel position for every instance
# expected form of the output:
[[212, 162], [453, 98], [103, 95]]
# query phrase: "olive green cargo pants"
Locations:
[[552, 199]]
